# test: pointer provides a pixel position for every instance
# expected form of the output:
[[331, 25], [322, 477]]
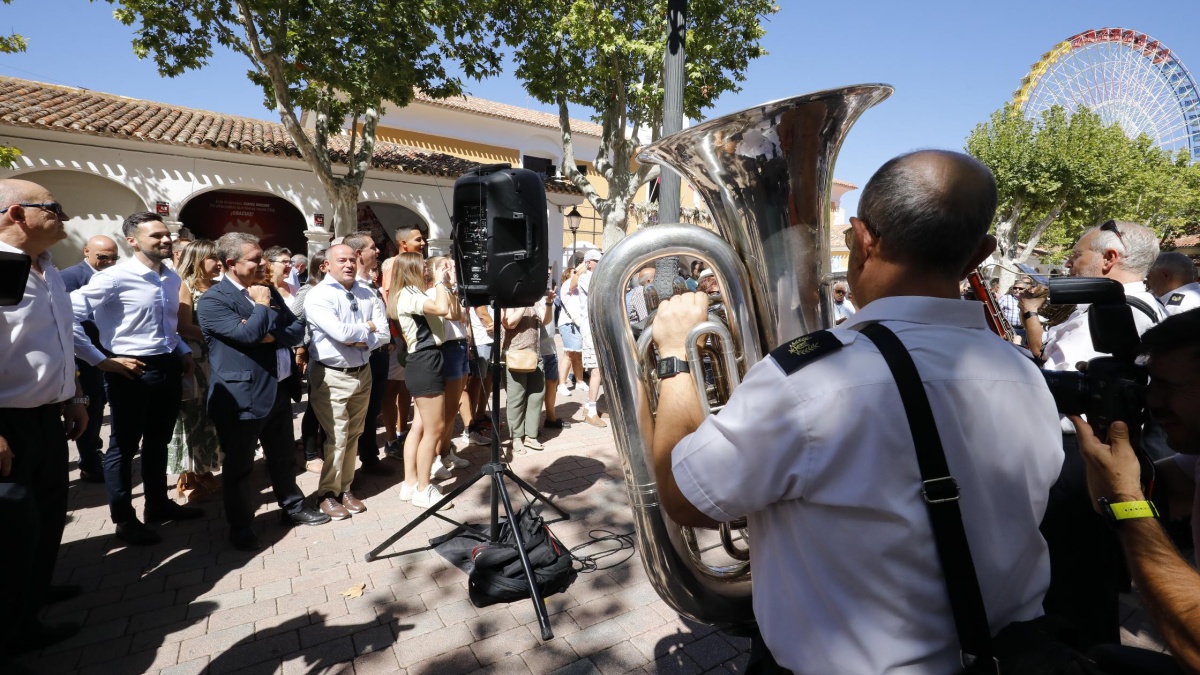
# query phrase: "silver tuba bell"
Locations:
[[765, 174]]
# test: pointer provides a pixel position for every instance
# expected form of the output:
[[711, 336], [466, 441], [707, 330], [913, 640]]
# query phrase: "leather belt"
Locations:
[[344, 369]]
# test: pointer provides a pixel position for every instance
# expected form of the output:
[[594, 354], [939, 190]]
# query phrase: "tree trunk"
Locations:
[[345, 208], [1040, 229], [616, 219]]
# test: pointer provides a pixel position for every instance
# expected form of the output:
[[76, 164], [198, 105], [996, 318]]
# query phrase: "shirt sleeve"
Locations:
[[320, 313], [752, 454], [84, 302], [411, 302], [382, 334]]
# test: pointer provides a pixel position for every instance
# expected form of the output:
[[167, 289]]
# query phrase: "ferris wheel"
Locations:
[[1123, 76]]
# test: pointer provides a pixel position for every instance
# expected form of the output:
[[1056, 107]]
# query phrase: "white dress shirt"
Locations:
[[135, 309], [846, 573], [39, 341], [1182, 299], [843, 310], [1070, 342], [338, 321], [283, 355]]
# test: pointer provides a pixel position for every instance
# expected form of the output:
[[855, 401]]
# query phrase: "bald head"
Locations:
[[13, 190], [32, 228], [930, 209], [101, 252]]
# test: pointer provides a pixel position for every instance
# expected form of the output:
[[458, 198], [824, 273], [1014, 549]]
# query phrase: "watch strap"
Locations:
[[1128, 510]]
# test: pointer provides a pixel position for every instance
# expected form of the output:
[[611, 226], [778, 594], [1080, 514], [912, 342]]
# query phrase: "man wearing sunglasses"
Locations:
[[1084, 554], [99, 253]]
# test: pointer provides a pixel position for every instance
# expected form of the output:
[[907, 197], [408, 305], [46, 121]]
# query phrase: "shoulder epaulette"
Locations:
[[1175, 300], [794, 355]]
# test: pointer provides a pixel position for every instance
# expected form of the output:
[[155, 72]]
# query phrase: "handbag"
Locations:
[[1036, 647], [521, 360]]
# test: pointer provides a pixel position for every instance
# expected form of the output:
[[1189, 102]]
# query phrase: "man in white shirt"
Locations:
[[368, 444], [1172, 278], [346, 326], [578, 287], [847, 578], [135, 305], [1084, 554], [41, 406], [842, 307]]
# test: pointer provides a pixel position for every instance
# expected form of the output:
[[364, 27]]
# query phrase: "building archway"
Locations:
[[383, 220], [274, 220], [96, 205]]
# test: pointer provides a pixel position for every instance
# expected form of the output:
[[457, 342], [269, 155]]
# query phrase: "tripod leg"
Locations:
[[539, 605], [374, 553], [496, 373], [536, 495]]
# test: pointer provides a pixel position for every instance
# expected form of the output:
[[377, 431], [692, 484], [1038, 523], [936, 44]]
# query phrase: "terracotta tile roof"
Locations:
[[24, 103], [509, 112], [843, 183]]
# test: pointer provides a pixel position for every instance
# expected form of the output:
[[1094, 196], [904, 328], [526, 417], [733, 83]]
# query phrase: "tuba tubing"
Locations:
[[766, 176]]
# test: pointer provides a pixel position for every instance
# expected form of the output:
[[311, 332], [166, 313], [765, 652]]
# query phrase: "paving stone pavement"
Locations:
[[193, 604]]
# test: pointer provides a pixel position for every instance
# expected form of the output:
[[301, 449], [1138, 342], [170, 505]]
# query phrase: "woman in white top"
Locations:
[[421, 321]]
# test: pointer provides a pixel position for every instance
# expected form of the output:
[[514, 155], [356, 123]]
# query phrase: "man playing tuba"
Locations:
[[846, 575]]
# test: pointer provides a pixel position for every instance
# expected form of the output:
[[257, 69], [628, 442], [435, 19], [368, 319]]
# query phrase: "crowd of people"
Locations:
[[199, 349]]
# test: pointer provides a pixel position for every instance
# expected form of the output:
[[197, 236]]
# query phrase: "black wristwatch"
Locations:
[[1025, 316], [671, 366]]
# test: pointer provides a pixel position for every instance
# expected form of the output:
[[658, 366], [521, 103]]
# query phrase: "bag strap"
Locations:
[[1143, 307], [940, 491]]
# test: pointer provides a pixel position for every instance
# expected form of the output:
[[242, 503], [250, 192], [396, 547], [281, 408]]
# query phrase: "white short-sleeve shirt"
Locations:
[[1182, 299], [846, 575]]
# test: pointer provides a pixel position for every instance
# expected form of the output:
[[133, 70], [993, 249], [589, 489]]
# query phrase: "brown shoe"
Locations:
[[333, 509], [595, 421], [352, 504]]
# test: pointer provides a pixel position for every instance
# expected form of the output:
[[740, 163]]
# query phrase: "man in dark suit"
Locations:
[[99, 253], [250, 331]]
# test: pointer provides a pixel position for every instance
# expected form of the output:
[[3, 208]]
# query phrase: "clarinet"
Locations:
[[995, 316]]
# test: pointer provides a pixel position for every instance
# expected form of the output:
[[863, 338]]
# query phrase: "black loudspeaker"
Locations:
[[500, 236]]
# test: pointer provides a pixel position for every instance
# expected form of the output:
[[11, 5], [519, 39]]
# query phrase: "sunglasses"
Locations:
[[107, 258], [1111, 226], [53, 207], [353, 301]]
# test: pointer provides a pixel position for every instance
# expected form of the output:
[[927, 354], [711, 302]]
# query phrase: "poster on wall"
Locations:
[[272, 219]]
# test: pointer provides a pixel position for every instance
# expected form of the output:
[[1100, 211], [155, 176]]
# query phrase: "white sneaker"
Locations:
[[518, 447], [439, 472], [407, 490], [455, 461], [430, 496], [584, 386], [563, 391]]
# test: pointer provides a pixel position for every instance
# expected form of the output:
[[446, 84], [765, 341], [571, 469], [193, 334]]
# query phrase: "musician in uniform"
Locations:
[[1172, 278], [1084, 554], [846, 575]]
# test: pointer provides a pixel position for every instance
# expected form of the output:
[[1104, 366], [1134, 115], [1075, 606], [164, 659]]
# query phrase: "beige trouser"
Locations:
[[339, 401]]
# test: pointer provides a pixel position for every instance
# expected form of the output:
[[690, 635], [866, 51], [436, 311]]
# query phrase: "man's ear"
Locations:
[[986, 246], [1111, 258], [862, 240]]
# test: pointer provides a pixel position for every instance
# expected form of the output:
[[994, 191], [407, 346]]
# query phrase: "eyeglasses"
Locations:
[[285, 261], [353, 301], [1111, 226], [107, 258], [52, 207]]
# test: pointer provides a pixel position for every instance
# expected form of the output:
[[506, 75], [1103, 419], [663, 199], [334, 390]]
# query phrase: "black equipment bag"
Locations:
[[497, 575], [1037, 647]]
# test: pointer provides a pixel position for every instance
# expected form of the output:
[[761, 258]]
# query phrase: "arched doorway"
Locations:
[[274, 220], [97, 205], [383, 220]]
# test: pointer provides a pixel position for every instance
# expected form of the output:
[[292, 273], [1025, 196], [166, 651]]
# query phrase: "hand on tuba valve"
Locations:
[[676, 317]]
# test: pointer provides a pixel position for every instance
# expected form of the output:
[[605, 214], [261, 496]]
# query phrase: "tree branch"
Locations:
[[1040, 229]]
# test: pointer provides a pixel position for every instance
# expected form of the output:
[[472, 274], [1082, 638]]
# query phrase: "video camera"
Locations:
[[1112, 387]]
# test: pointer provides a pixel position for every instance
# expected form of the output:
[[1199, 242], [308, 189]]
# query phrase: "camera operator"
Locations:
[[1168, 585], [1085, 565], [1173, 279]]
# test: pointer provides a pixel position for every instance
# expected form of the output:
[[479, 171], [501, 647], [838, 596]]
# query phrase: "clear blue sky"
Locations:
[[952, 62]]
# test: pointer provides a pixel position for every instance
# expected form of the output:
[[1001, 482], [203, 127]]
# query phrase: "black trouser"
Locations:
[[310, 431], [238, 438], [368, 445], [33, 511], [91, 380], [143, 414], [1086, 568]]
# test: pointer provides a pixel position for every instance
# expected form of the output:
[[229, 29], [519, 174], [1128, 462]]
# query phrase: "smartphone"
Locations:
[[14, 274], [1037, 277]]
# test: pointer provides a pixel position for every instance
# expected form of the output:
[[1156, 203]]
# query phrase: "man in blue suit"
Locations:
[[250, 331], [99, 253]]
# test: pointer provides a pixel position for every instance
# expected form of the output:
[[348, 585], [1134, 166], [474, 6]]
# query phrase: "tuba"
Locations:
[[765, 174]]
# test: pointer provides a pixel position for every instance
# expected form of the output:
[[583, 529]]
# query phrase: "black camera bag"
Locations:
[[497, 575], [1036, 647]]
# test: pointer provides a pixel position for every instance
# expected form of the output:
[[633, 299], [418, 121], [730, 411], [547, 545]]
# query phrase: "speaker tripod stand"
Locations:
[[496, 471]]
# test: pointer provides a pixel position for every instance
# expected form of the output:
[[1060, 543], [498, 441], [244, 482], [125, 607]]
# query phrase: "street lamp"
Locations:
[[573, 219]]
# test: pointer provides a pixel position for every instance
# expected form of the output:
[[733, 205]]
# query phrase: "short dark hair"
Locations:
[[274, 252], [129, 228], [417, 225], [1181, 331], [358, 241], [933, 220]]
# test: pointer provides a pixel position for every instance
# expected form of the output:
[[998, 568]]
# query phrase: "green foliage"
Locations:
[[608, 57], [12, 44], [1061, 174], [339, 58]]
